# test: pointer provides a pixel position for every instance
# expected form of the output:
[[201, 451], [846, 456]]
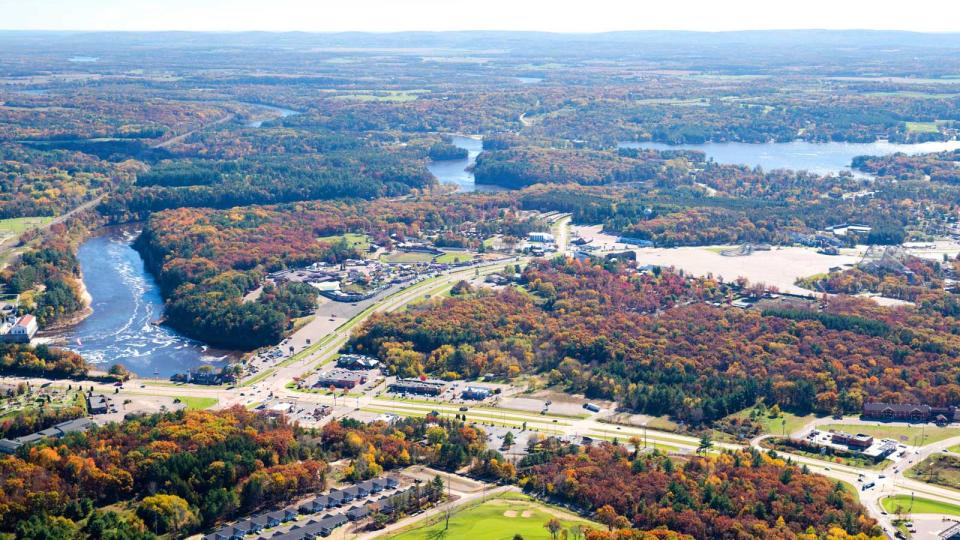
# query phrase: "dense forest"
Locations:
[[177, 473], [743, 494], [207, 260], [655, 342], [171, 473]]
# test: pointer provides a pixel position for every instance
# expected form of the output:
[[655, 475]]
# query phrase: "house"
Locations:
[[20, 330], [894, 411], [357, 491], [339, 498], [476, 392], [97, 404], [317, 505], [248, 526], [260, 522], [357, 512], [391, 482], [226, 533], [374, 486], [328, 525], [280, 516]]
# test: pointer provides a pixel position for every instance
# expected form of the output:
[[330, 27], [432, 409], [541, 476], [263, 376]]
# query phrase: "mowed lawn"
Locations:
[[19, 225], [918, 506], [786, 423], [931, 433], [194, 403], [498, 519]]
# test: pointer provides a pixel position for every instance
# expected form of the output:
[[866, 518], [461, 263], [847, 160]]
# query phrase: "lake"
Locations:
[[454, 171], [126, 301], [820, 158]]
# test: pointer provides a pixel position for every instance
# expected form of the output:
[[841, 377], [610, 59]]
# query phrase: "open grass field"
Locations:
[[412, 257], [922, 127], [197, 403], [453, 256], [918, 506], [19, 225], [931, 434], [359, 241], [940, 469], [786, 423], [497, 519]]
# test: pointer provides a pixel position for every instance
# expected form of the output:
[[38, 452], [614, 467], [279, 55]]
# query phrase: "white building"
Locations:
[[20, 330], [542, 237]]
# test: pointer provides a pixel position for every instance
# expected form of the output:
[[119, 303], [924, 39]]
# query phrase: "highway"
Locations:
[[272, 385]]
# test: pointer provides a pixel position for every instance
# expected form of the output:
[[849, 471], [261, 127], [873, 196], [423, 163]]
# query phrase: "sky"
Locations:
[[541, 15]]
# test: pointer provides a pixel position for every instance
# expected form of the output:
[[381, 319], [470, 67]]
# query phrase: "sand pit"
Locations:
[[779, 267], [510, 513], [527, 513]]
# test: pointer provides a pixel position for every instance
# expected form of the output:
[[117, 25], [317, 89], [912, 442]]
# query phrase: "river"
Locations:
[[280, 111], [126, 300], [819, 158], [456, 171]]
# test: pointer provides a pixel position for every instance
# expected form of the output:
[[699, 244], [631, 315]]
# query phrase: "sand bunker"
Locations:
[[510, 513], [526, 513]]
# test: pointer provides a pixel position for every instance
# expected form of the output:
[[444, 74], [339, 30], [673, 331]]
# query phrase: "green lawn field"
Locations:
[[931, 434], [918, 506], [197, 403], [360, 241], [497, 519], [411, 257], [19, 225]]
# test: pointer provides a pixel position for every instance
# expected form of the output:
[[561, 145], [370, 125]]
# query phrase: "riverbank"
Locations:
[[124, 302]]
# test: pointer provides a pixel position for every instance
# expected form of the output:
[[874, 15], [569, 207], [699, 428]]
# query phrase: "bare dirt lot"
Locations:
[[779, 267]]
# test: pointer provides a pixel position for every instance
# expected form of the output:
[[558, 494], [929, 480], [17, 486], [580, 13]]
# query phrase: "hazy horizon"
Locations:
[[386, 16]]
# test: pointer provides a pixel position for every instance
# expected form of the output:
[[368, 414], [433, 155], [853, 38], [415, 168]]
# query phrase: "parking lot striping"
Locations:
[[472, 414], [508, 424], [478, 407], [390, 303], [482, 411]]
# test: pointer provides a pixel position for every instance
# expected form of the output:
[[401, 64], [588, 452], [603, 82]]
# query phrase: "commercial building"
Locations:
[[417, 386], [859, 440], [340, 379], [357, 361], [476, 392], [97, 404], [911, 412], [9, 446], [540, 237]]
